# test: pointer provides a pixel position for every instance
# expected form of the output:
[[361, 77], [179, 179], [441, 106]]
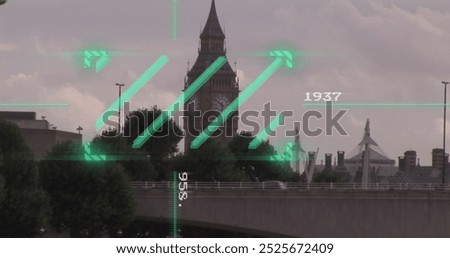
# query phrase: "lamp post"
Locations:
[[120, 85], [445, 132]]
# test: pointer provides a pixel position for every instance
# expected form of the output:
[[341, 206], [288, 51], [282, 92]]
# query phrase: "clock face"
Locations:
[[220, 102], [193, 104]]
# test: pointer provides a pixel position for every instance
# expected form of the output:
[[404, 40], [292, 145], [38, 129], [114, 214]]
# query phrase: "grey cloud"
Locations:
[[381, 51]]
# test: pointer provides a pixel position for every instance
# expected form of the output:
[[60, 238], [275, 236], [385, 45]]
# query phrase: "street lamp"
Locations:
[[120, 85], [445, 132]]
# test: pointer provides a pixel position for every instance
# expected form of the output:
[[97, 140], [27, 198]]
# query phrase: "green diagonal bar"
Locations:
[[102, 62], [90, 157], [277, 158], [185, 96], [135, 87], [262, 136], [87, 59], [289, 151], [87, 148], [243, 97]]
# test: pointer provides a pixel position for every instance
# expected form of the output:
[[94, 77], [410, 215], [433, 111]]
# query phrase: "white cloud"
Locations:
[[23, 83], [4, 47], [84, 109], [243, 80], [392, 51]]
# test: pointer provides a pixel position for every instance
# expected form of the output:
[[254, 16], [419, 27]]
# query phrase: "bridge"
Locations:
[[276, 209]]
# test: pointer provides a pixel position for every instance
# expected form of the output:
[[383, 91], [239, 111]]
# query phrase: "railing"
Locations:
[[289, 186]]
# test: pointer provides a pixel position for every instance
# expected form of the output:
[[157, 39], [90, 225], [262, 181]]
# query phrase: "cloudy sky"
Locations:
[[379, 51]]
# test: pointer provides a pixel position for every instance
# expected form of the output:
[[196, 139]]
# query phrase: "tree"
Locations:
[[137, 164], [162, 145], [256, 163], [211, 162], [23, 208], [2, 189], [87, 198]]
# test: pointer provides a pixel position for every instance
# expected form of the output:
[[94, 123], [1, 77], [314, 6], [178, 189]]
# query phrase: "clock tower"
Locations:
[[217, 93]]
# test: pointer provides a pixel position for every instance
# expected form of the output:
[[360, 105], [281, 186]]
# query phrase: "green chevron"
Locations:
[[102, 56], [287, 156], [288, 55]]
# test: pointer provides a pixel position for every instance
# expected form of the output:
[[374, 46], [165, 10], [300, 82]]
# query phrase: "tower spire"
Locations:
[[366, 137], [298, 151], [367, 129], [212, 27]]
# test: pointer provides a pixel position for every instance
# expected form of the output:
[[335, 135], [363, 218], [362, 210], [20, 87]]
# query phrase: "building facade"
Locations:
[[39, 135], [217, 93]]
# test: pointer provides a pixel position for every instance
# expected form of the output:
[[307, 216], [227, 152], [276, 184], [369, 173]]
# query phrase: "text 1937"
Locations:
[[322, 96]]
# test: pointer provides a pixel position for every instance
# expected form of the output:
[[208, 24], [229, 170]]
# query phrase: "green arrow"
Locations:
[[285, 54]]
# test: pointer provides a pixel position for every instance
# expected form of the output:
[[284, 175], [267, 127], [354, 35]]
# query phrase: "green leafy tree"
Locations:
[[88, 199], [256, 163], [2, 189], [162, 145], [211, 162], [136, 162], [23, 208]]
